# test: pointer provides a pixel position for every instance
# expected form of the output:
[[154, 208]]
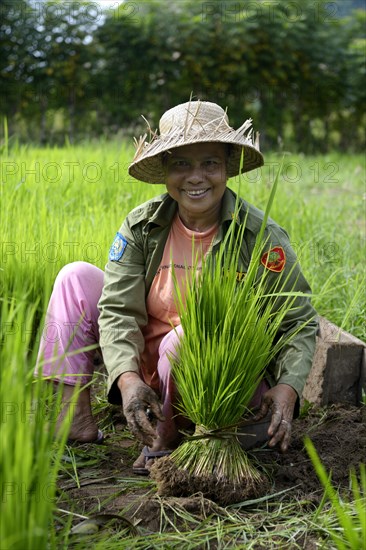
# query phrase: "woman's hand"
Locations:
[[141, 407], [281, 400]]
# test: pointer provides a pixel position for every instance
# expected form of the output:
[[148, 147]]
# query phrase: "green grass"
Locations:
[[61, 205], [29, 457], [350, 528]]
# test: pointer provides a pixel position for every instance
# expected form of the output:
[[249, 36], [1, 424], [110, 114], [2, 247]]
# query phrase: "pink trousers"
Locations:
[[72, 324]]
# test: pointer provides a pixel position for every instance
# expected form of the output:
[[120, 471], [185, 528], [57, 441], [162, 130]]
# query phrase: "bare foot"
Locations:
[[83, 427]]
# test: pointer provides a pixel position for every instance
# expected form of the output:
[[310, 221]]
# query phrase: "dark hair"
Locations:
[[164, 157]]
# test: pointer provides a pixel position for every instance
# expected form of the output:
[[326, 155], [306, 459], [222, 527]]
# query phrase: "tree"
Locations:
[[296, 68], [16, 35]]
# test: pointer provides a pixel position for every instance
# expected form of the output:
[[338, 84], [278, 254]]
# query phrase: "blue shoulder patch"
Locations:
[[118, 247]]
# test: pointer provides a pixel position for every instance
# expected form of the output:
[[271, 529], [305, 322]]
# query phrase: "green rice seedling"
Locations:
[[229, 338], [29, 456], [350, 530]]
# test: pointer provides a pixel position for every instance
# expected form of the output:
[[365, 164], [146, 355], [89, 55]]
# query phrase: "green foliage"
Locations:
[[73, 71], [45, 65], [28, 463], [351, 529]]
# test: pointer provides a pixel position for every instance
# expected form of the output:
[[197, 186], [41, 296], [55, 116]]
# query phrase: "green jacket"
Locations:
[[128, 280]]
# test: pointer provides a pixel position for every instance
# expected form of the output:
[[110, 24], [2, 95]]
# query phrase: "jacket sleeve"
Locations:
[[294, 361], [123, 311]]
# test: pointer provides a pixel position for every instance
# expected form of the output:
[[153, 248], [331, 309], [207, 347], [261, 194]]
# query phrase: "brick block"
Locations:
[[338, 373]]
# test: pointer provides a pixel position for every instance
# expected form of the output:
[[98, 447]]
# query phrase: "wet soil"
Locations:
[[339, 436], [107, 484]]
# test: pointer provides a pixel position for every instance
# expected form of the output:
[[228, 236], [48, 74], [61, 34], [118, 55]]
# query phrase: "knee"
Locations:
[[79, 271], [170, 341], [167, 349]]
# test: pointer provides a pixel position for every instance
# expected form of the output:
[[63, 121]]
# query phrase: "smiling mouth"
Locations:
[[196, 192]]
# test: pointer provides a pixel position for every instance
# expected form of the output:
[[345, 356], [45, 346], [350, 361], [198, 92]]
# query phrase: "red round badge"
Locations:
[[275, 259]]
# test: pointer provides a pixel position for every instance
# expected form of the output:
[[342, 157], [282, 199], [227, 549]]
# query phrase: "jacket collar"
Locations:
[[228, 207], [165, 212]]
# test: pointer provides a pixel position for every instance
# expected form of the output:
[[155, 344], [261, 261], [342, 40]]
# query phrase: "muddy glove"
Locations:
[[281, 400], [141, 407]]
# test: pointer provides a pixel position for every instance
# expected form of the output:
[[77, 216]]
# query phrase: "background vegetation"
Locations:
[[71, 69]]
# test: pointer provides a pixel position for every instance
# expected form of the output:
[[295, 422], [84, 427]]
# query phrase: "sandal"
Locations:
[[147, 456]]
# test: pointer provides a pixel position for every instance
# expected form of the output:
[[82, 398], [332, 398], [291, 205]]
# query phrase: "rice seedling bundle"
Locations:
[[230, 336]]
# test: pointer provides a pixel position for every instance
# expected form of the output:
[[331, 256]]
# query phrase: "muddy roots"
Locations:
[[173, 481]]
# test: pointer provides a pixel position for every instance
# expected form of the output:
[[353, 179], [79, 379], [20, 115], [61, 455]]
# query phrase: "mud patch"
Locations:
[[339, 436]]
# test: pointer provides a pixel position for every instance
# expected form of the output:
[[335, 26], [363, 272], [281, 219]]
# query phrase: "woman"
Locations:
[[194, 155]]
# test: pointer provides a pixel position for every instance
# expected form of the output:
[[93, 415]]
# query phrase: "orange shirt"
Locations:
[[182, 248]]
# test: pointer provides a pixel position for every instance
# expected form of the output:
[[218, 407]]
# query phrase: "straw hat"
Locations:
[[194, 122]]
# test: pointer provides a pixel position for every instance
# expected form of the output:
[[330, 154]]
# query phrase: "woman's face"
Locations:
[[196, 179]]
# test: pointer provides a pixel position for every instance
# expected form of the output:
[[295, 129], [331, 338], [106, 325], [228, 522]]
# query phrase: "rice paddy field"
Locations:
[[66, 204]]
